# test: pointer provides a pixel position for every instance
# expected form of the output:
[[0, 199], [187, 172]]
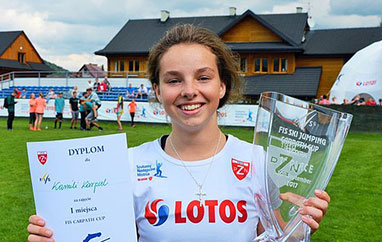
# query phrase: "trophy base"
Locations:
[[300, 234]]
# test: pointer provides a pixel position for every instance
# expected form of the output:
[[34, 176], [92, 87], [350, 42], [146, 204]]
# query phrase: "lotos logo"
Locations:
[[240, 168], [196, 211], [156, 216], [42, 157], [366, 83]]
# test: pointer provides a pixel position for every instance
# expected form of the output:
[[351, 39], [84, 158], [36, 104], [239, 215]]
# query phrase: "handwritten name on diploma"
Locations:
[[58, 186]]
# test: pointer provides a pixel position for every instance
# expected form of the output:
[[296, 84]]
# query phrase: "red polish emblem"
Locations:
[[42, 157], [240, 168]]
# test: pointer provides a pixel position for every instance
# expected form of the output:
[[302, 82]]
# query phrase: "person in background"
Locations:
[[10, 105], [142, 92], [91, 118], [102, 87], [132, 110], [356, 100], [59, 104], [108, 85], [82, 110], [32, 111], [74, 101], [130, 93], [90, 85], [324, 100], [380, 102], [119, 111], [23, 93], [95, 85], [40, 108], [50, 95], [18, 93], [334, 101], [93, 96], [370, 102]]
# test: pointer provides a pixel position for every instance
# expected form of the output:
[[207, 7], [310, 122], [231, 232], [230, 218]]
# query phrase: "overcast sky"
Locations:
[[68, 32]]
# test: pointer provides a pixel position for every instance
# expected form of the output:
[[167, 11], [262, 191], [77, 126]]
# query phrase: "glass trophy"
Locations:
[[302, 143]]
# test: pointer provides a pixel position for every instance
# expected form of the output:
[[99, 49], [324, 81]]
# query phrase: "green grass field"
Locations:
[[355, 213]]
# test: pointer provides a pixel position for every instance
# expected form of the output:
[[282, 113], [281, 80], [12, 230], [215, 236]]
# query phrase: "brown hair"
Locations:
[[188, 33]]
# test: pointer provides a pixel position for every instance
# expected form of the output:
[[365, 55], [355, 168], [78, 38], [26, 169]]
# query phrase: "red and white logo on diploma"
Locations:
[[42, 157], [240, 168]]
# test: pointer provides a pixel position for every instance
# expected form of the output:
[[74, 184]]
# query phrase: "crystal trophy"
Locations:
[[302, 143]]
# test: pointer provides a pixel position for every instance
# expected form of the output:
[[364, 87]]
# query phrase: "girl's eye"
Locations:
[[173, 81], [204, 78]]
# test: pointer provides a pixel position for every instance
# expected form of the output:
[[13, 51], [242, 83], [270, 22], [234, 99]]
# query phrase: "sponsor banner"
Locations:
[[229, 115]]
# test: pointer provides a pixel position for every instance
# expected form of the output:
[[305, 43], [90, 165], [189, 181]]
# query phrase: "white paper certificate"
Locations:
[[82, 188]]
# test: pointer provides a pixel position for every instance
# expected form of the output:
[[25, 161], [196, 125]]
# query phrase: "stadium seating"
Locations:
[[105, 96]]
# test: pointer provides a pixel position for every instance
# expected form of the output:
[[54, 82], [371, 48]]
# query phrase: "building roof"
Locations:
[[93, 69], [303, 82], [340, 41], [7, 38], [30, 66], [138, 36]]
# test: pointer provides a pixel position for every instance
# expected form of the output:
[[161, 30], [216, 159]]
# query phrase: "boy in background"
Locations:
[[59, 104], [74, 110]]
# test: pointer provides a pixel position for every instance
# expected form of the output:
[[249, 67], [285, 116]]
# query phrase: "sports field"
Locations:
[[355, 213]]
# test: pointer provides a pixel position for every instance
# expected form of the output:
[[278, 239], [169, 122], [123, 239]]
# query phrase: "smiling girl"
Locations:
[[193, 187]]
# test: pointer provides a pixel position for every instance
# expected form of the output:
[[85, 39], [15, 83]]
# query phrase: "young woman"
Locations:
[[119, 111], [40, 108], [193, 74]]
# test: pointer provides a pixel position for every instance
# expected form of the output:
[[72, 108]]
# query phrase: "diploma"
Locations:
[[82, 188]]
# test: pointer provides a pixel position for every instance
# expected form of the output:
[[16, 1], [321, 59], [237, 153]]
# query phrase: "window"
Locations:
[[116, 66], [136, 66], [243, 64], [122, 66], [21, 58], [280, 65], [284, 65], [257, 64], [261, 65], [131, 66], [276, 65], [264, 66]]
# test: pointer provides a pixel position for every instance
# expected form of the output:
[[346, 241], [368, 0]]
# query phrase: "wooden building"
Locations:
[[18, 54], [277, 52]]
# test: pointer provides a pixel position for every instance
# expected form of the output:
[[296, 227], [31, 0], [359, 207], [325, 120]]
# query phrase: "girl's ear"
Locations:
[[222, 90], [157, 92]]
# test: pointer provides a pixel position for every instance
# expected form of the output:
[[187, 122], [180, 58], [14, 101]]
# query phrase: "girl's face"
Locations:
[[189, 86]]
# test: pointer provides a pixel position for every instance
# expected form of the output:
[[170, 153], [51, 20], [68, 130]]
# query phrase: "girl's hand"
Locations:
[[313, 209], [37, 231]]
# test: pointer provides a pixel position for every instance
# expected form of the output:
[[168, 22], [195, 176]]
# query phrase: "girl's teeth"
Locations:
[[190, 107]]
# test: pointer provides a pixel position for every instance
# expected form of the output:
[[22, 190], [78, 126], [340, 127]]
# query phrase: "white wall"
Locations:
[[82, 83], [229, 115]]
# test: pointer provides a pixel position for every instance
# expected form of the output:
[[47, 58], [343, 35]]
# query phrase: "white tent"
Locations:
[[361, 75]]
